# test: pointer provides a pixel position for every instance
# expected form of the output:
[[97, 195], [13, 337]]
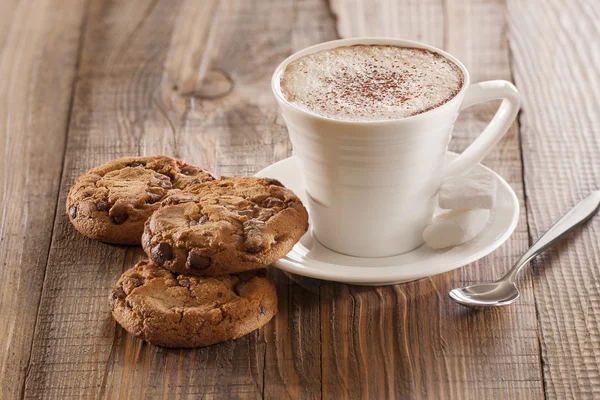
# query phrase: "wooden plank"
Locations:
[[410, 340], [189, 79], [557, 64], [127, 101], [38, 54], [293, 352]]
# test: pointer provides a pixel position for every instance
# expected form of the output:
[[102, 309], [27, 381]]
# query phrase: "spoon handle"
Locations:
[[575, 217]]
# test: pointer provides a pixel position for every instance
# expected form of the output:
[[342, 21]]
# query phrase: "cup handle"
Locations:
[[493, 132]]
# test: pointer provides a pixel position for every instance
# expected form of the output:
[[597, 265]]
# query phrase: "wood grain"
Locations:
[[557, 63], [39, 50], [293, 353], [410, 340], [190, 79], [183, 79], [127, 101]]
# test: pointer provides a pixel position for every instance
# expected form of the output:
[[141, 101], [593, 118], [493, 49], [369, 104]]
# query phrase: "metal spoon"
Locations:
[[504, 291]]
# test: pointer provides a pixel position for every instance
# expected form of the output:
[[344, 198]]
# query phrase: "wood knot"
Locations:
[[215, 84]]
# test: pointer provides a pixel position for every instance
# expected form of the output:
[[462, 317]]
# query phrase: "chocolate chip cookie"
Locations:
[[111, 202], [225, 226], [172, 310]]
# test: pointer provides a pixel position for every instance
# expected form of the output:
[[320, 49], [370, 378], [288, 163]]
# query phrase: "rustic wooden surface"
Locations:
[[38, 58], [559, 77], [83, 82]]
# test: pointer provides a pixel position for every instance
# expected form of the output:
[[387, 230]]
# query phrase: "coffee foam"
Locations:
[[370, 82]]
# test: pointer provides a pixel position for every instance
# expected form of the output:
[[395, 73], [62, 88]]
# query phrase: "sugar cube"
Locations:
[[454, 227], [471, 191]]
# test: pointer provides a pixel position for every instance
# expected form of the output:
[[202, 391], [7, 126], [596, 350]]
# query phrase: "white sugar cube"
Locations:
[[454, 227], [472, 191]]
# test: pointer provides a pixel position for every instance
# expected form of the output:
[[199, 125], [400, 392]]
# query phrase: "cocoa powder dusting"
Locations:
[[371, 82]]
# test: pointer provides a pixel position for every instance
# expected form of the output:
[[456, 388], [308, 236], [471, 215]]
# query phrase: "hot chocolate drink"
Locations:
[[370, 82]]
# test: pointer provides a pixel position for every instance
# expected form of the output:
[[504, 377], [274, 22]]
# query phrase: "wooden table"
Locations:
[[83, 82]]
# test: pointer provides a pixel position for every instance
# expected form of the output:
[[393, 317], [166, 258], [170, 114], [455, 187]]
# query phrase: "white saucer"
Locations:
[[310, 258]]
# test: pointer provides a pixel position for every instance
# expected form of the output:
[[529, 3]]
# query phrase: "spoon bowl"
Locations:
[[504, 291], [484, 295]]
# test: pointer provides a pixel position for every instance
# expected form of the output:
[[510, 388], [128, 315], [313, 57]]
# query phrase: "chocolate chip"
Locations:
[[255, 241], [219, 294], [172, 200], [263, 310], [102, 205], [161, 253], [152, 198], [118, 214], [271, 202], [239, 287], [190, 170], [73, 212], [119, 219], [266, 213], [274, 182], [136, 164], [135, 281], [254, 250], [197, 261], [166, 185], [117, 294], [291, 204], [162, 177], [202, 220]]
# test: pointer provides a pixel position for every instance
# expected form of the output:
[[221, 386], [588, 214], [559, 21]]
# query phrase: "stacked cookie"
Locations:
[[208, 241]]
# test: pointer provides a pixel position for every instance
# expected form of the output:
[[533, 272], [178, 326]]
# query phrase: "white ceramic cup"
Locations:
[[372, 186]]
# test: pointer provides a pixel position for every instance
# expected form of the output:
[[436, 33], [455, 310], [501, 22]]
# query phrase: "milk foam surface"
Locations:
[[370, 82]]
